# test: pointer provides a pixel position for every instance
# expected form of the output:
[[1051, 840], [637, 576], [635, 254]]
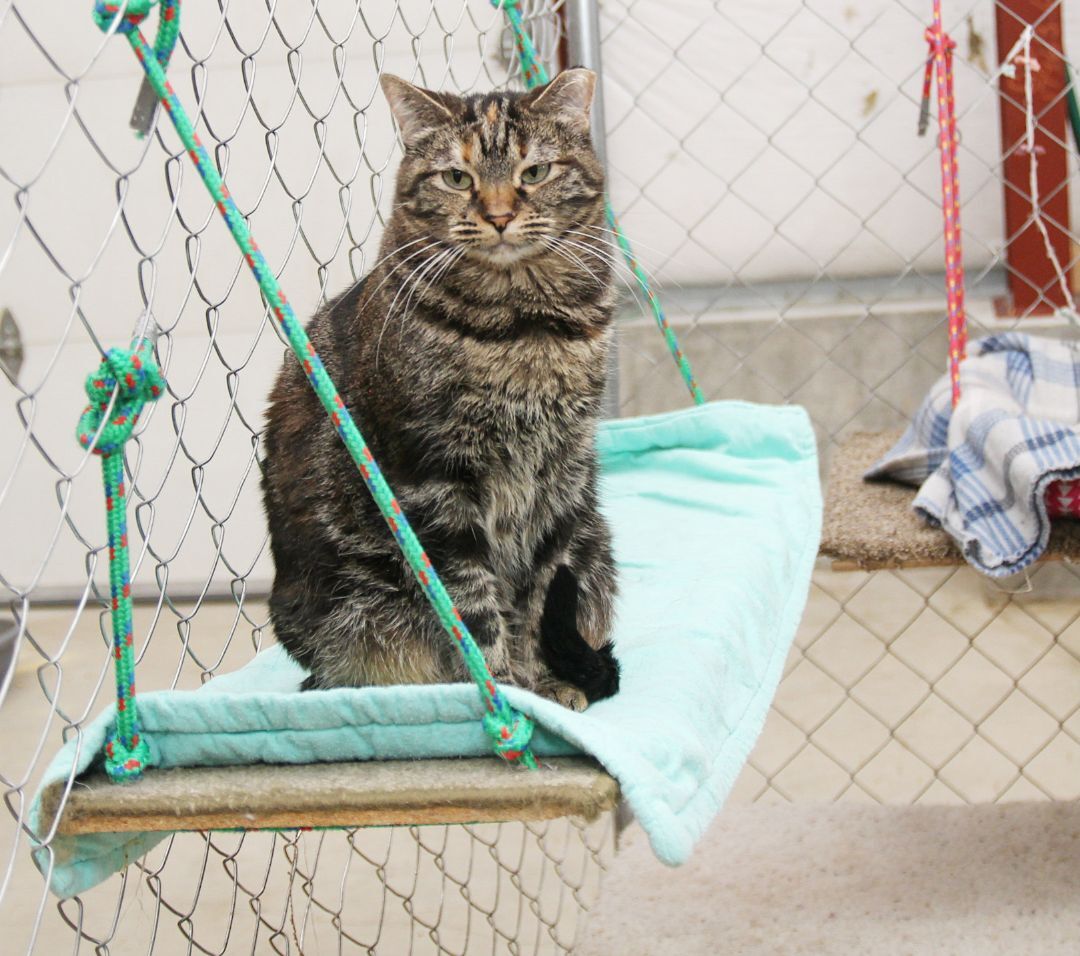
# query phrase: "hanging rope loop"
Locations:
[[939, 42], [135, 379], [126, 18]]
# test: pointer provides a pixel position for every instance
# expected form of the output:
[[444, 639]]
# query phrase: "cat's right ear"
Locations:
[[416, 111], [569, 96]]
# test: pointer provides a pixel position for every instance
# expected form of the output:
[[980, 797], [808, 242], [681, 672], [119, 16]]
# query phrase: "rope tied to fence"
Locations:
[[119, 389], [534, 74], [939, 68], [509, 730]]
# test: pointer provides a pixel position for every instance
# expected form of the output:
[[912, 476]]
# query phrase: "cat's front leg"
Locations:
[[457, 546], [475, 593]]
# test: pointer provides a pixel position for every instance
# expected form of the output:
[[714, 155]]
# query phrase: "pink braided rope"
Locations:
[[940, 61], [1062, 497]]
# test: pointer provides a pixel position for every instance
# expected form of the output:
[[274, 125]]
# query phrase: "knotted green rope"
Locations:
[[509, 730], [534, 74], [126, 381]]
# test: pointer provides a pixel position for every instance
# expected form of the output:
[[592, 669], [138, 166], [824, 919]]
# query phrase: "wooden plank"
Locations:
[[372, 793], [899, 564]]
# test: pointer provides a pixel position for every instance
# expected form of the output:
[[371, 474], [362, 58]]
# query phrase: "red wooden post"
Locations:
[[1033, 284]]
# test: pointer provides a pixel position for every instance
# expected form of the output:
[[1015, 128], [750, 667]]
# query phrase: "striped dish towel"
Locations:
[[989, 468]]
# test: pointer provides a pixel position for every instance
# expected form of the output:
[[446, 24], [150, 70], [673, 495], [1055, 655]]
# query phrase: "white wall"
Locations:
[[777, 139], [750, 141]]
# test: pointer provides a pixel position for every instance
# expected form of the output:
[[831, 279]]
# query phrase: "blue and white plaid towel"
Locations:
[[985, 466]]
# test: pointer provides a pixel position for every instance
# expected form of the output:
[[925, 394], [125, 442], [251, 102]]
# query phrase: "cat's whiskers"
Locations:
[[617, 258], [446, 268], [404, 285], [611, 238], [378, 262], [608, 231], [431, 271], [446, 262], [603, 253], [414, 276], [621, 270], [607, 256], [558, 247], [428, 269], [405, 245], [433, 245]]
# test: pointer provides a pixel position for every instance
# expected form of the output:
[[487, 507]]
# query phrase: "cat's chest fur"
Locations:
[[525, 410]]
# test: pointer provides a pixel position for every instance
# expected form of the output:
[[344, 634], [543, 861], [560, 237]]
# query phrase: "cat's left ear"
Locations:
[[417, 111], [568, 97]]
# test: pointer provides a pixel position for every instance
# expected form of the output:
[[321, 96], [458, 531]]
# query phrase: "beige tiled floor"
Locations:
[[928, 685]]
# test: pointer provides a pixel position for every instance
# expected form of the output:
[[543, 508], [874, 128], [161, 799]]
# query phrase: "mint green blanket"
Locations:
[[716, 512]]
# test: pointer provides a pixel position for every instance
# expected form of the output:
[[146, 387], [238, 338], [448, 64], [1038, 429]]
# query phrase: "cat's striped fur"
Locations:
[[473, 357]]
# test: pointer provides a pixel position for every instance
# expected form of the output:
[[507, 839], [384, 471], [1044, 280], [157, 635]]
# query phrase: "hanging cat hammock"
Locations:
[[715, 513], [871, 525]]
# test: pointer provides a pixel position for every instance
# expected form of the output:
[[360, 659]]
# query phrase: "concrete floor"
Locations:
[[835, 880]]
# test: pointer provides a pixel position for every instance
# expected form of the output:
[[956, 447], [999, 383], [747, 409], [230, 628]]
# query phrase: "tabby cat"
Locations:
[[473, 358]]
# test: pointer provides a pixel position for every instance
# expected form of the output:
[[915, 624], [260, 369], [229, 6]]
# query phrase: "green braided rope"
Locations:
[[534, 74], [681, 361], [127, 380], [509, 730], [532, 70]]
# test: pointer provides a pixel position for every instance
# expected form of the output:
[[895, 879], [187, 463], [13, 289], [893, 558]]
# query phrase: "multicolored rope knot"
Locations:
[[125, 762], [126, 380], [938, 38], [510, 733], [135, 379], [125, 16]]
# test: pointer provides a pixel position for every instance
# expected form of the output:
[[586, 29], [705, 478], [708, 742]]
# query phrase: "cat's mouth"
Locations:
[[504, 251]]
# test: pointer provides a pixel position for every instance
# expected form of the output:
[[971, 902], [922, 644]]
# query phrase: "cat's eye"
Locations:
[[536, 174], [457, 179]]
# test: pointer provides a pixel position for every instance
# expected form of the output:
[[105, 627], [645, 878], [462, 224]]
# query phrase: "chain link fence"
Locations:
[[765, 159], [99, 229], [764, 162], [489, 888]]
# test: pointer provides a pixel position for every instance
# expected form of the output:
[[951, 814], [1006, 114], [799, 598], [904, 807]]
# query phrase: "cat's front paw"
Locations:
[[563, 693]]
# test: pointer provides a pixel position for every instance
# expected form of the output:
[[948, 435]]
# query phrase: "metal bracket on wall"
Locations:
[[8, 630], [11, 346]]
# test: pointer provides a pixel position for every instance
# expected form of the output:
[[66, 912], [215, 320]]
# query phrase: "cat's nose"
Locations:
[[500, 220]]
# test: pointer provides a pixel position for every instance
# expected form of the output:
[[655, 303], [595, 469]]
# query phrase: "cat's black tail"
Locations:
[[567, 654]]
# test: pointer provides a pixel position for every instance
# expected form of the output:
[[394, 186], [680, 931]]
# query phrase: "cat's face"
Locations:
[[503, 177]]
